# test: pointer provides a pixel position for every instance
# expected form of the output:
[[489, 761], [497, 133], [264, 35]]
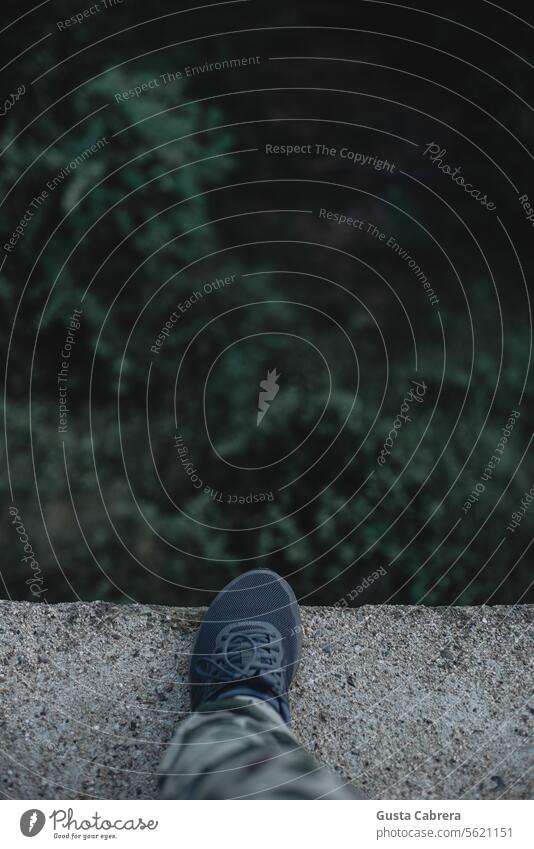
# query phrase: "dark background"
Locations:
[[185, 194]]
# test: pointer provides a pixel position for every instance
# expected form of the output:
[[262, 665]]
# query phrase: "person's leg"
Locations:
[[237, 743], [240, 748]]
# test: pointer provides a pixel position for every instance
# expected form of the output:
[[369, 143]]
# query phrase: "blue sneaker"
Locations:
[[249, 642]]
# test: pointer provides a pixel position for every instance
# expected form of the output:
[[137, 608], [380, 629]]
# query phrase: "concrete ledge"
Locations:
[[411, 702]]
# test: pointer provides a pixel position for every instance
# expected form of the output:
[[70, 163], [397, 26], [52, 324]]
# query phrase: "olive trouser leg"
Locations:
[[240, 748]]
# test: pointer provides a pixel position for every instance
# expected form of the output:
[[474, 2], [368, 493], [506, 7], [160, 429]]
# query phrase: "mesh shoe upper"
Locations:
[[250, 639]]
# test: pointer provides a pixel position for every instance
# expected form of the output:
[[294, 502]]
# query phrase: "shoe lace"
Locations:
[[243, 651]]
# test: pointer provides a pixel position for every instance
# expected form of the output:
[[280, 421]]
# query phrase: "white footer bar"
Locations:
[[266, 825]]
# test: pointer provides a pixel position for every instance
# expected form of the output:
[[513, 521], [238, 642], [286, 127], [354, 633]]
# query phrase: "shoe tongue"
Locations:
[[248, 646], [241, 651]]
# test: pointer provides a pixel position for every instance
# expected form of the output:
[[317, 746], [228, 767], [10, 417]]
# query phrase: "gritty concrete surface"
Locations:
[[410, 702]]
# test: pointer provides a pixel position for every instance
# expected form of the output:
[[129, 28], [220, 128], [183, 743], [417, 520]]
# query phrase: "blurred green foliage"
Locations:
[[102, 524]]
